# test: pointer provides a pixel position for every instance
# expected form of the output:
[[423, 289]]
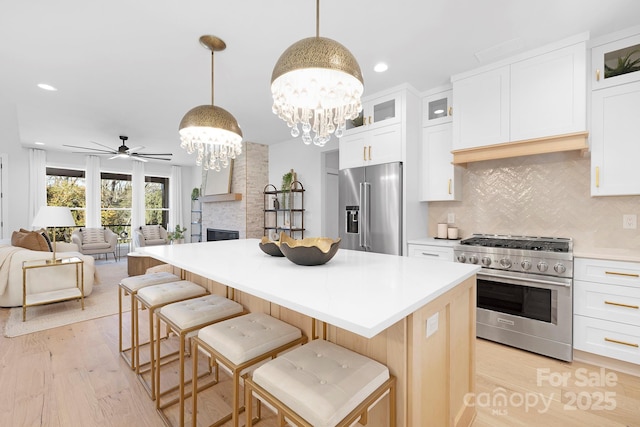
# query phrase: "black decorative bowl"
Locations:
[[269, 247], [309, 251]]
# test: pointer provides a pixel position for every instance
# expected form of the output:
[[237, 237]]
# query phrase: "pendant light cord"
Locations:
[[317, 18], [212, 77]]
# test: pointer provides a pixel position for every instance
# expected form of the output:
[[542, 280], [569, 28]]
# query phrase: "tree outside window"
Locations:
[[66, 187], [116, 202], [156, 200]]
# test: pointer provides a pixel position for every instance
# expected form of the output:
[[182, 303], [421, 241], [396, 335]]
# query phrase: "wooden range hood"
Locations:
[[527, 147]]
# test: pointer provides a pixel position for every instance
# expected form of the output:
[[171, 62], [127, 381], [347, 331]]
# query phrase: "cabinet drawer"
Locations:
[[432, 252], [610, 302], [604, 271], [606, 338]]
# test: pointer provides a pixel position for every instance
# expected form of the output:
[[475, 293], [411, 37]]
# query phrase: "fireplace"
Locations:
[[214, 234]]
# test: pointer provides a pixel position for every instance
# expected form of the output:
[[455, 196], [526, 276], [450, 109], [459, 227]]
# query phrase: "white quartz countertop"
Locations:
[[613, 254], [432, 241], [361, 292]]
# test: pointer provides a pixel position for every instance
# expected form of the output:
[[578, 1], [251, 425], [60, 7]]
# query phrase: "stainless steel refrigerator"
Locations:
[[370, 208]]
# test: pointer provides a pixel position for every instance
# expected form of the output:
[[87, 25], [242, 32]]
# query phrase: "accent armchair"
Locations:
[[150, 235], [92, 241]]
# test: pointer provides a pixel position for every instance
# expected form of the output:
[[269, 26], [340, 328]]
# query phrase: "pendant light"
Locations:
[[211, 131], [317, 84]]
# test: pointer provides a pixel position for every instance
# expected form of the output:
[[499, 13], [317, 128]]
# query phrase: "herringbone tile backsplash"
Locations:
[[542, 195]]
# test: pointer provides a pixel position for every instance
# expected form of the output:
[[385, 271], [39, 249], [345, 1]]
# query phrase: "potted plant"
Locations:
[[287, 179], [177, 236], [195, 193]]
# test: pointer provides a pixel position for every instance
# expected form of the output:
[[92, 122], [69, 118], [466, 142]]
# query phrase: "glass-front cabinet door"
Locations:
[[382, 110], [437, 108], [617, 62]]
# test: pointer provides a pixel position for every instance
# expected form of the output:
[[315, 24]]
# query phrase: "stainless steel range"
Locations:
[[524, 292]]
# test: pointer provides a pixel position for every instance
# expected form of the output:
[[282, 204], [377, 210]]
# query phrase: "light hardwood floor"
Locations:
[[73, 376]]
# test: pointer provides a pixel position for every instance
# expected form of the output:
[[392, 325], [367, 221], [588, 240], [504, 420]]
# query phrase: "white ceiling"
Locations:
[[135, 68]]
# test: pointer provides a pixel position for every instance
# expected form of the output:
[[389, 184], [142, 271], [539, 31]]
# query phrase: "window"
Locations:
[[115, 202], [156, 200], [66, 187]]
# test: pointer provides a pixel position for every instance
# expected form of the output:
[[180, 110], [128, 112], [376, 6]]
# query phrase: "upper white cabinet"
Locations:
[[377, 111], [481, 105], [380, 136], [616, 59], [535, 95], [548, 94], [376, 146], [615, 148]]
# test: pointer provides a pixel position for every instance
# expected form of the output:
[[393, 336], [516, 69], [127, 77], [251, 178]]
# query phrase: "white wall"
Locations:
[[17, 185], [306, 161]]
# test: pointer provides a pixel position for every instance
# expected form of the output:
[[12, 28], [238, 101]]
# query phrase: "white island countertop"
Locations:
[[361, 292]]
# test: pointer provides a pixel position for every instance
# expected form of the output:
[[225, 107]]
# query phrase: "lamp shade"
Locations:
[[54, 216]]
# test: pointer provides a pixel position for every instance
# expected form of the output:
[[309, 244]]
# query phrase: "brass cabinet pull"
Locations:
[[615, 273], [597, 176], [449, 186], [619, 304], [369, 152], [621, 342], [597, 75], [451, 111], [364, 153]]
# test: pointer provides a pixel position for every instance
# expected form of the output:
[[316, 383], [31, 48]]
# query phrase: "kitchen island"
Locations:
[[416, 316]]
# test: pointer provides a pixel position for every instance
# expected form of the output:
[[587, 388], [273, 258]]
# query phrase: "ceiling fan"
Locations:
[[122, 152]]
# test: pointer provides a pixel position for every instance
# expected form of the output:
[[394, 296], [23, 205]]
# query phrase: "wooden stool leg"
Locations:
[[194, 383], [248, 410], [181, 385], [236, 398], [152, 355], [134, 322]]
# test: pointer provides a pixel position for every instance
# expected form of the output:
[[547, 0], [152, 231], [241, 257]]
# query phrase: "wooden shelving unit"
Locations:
[[284, 211]]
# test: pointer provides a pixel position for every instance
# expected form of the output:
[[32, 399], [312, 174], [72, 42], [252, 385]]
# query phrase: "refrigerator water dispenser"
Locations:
[[352, 219]]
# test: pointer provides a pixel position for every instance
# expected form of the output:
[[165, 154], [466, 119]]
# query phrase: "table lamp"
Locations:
[[54, 216]]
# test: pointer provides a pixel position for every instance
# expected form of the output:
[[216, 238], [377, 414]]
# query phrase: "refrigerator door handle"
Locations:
[[362, 217], [366, 211]]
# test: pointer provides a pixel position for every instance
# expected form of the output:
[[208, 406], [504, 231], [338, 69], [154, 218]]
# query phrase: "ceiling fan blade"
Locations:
[[102, 145], [152, 154], [150, 157], [131, 150], [139, 159], [89, 148]]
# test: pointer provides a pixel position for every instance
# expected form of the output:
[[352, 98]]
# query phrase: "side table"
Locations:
[[137, 263], [58, 295]]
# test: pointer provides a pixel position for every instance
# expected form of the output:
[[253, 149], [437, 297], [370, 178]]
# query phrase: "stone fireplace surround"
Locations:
[[249, 176]]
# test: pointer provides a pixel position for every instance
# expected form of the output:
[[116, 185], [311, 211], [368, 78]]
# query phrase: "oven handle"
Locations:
[[528, 279]]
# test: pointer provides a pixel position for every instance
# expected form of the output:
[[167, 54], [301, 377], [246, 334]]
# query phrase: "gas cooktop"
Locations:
[[527, 243]]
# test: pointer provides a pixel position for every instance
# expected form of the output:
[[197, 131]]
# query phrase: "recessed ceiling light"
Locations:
[[39, 143], [46, 87], [380, 67]]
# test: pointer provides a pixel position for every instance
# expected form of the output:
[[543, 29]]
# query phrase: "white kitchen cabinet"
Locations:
[[437, 108], [606, 308], [377, 111], [439, 253], [548, 94], [481, 105], [372, 147], [534, 95], [612, 59], [439, 178], [614, 140]]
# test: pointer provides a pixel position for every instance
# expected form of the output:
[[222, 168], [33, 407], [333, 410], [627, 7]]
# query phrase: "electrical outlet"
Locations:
[[451, 218], [630, 221]]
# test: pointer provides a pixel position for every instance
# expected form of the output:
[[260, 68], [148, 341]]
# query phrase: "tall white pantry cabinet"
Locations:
[[615, 111]]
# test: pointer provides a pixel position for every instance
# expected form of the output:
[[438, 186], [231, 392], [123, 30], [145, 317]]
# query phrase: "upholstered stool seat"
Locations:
[[152, 298], [130, 286], [238, 344], [185, 318], [321, 384]]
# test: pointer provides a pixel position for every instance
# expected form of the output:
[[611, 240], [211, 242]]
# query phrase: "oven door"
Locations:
[[533, 307]]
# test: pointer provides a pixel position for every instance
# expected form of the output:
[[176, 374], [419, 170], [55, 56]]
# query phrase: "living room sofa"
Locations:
[[39, 279]]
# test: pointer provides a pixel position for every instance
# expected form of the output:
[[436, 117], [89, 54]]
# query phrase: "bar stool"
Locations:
[[238, 344], [320, 385], [185, 318], [131, 286], [152, 298]]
